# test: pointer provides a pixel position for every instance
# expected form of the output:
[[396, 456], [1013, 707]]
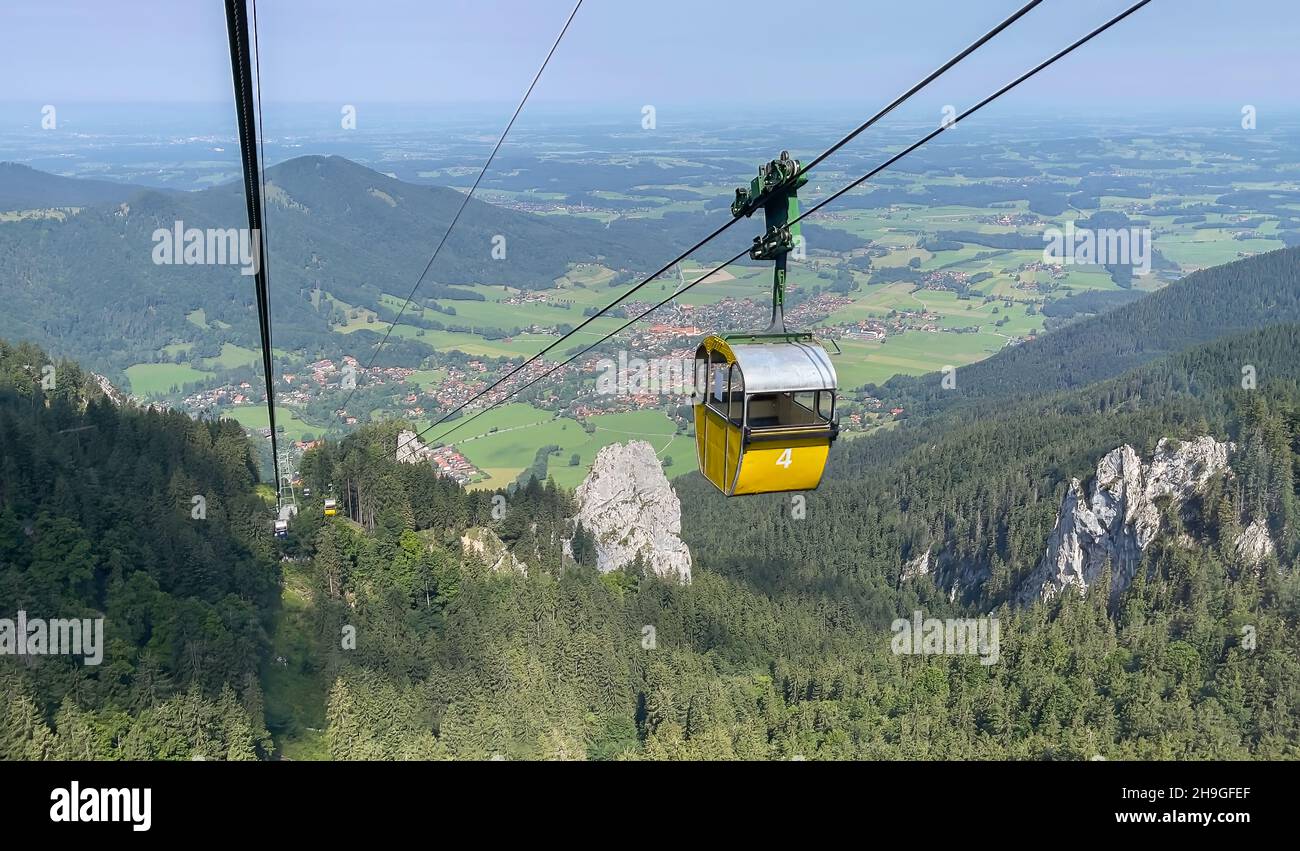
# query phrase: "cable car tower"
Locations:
[[286, 499]]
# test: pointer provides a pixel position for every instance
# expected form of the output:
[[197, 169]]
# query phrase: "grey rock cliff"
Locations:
[[1120, 517], [919, 566], [410, 450], [483, 544], [1254, 544], [630, 509], [110, 390]]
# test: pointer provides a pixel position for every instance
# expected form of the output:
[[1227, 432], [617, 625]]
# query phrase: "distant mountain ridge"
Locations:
[[26, 188], [87, 287], [1233, 298]]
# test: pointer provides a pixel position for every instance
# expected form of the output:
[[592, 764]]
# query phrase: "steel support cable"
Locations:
[[898, 101], [465, 200], [886, 164], [264, 246], [265, 243], [237, 30]]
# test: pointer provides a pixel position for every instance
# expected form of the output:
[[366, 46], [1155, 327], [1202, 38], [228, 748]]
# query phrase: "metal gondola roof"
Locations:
[[782, 367]]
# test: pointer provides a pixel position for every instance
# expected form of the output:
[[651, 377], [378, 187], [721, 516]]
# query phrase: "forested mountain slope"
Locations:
[[88, 287], [780, 647], [98, 518], [448, 659], [1204, 306], [25, 188], [985, 491]]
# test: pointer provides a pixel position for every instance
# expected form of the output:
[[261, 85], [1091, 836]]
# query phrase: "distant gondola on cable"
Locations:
[[765, 402], [331, 506]]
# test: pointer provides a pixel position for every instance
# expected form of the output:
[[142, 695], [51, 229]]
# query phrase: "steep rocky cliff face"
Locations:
[[628, 507], [110, 391], [1121, 514], [919, 566], [483, 544], [410, 450], [1254, 545]]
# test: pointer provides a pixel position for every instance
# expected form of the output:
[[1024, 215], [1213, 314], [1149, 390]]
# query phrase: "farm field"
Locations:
[[255, 417], [521, 430], [232, 356], [177, 349], [154, 380], [913, 353], [426, 379], [1204, 248]]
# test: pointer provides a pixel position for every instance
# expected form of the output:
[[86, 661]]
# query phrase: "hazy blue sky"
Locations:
[[665, 52]]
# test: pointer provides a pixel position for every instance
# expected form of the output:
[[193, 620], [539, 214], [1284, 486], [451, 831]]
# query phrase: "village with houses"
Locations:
[[312, 388]]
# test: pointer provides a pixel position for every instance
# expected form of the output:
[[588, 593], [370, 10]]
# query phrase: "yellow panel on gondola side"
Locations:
[[735, 445], [711, 445], [783, 465], [699, 439]]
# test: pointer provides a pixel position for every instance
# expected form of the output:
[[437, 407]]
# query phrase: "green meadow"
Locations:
[[521, 430], [151, 380], [232, 356], [256, 417], [913, 353]]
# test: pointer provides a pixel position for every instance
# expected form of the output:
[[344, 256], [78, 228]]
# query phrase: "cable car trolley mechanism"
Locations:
[[765, 402]]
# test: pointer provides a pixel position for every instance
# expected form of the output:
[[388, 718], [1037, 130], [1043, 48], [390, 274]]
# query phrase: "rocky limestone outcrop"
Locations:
[[109, 389], [410, 450], [483, 544], [628, 507], [1254, 544], [919, 566], [1120, 517]]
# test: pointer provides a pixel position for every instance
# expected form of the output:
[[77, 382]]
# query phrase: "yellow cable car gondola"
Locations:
[[764, 412], [331, 506], [765, 403]]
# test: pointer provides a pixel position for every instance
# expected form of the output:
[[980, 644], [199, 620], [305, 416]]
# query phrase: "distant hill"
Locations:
[[88, 288], [343, 219], [25, 188], [1204, 306]]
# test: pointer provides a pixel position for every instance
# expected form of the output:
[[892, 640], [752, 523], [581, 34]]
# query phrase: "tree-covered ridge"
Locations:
[[984, 492], [780, 647], [452, 661], [1204, 306], [25, 188], [555, 668], [99, 518], [89, 285]]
